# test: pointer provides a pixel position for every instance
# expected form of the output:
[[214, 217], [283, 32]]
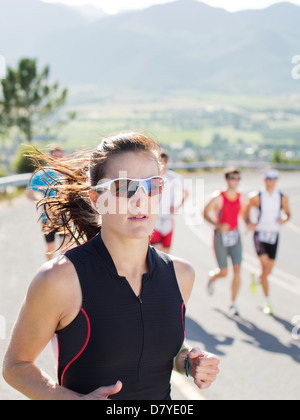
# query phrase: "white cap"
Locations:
[[272, 174]]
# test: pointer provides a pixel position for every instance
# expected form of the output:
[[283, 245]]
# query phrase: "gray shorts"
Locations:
[[222, 252]]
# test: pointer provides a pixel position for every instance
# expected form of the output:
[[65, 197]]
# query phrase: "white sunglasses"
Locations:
[[128, 187]]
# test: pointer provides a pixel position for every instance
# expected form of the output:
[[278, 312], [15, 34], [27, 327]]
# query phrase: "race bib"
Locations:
[[268, 237], [230, 238]]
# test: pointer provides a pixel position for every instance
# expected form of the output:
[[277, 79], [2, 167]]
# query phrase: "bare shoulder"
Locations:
[[254, 199], [215, 201], [244, 200], [254, 195], [185, 274], [183, 267], [56, 274], [56, 283]]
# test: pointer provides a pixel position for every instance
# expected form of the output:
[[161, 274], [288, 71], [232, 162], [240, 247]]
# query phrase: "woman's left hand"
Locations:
[[204, 368]]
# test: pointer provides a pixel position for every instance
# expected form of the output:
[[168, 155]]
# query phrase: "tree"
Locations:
[[3, 122], [279, 157], [28, 97]]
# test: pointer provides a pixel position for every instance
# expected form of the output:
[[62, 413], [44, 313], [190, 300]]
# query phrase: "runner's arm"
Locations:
[[210, 207], [185, 274], [33, 190], [287, 211], [253, 202], [215, 205], [30, 194], [203, 367], [244, 205], [44, 309], [38, 320]]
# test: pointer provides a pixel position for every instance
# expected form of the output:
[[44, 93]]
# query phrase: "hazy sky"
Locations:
[[114, 6]]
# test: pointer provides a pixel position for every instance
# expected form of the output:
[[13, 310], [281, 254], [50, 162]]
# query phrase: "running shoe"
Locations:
[[233, 311], [254, 284], [268, 309], [211, 285]]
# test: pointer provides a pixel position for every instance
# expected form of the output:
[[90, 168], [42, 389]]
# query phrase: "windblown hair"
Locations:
[[70, 210]]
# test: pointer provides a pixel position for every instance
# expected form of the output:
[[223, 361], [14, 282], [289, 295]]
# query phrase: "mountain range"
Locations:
[[183, 44]]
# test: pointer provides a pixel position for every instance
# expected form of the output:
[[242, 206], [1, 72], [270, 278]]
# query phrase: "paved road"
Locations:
[[259, 357]]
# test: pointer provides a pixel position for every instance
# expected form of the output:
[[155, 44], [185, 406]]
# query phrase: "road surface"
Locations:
[[260, 358]]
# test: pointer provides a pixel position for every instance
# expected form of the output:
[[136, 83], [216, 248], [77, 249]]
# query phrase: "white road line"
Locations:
[[188, 390], [293, 227], [274, 279], [295, 199]]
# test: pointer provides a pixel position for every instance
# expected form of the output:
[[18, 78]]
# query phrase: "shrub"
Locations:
[[23, 163]]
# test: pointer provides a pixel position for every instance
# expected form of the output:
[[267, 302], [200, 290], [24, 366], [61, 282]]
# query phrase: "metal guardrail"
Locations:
[[14, 181], [259, 166]]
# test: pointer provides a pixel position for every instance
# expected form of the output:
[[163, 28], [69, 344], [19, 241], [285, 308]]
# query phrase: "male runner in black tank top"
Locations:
[[116, 305]]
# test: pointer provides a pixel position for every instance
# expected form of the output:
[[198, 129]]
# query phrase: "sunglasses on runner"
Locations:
[[234, 178], [128, 187]]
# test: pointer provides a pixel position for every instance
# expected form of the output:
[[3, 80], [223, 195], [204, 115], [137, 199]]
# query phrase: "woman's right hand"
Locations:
[[103, 393]]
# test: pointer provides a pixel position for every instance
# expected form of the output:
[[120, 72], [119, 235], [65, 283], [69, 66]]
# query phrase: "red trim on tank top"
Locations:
[[83, 348], [182, 316], [57, 343]]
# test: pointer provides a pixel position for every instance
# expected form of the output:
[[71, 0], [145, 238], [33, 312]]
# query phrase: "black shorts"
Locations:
[[263, 248]]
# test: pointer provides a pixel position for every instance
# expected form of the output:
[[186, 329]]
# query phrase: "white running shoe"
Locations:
[[233, 311], [211, 285]]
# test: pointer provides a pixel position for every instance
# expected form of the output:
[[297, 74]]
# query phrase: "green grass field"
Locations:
[[184, 116], [181, 117]]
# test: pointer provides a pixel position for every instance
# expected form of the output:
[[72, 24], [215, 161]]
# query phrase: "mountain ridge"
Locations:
[[182, 44]]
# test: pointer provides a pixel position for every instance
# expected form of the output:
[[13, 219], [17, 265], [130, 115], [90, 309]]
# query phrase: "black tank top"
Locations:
[[117, 335]]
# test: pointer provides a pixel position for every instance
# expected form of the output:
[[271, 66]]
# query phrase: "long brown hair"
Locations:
[[70, 210]]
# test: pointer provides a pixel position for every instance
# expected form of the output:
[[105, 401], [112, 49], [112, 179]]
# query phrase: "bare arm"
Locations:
[[52, 302], [30, 194], [39, 318], [215, 205], [253, 202], [185, 274], [287, 211], [244, 205], [209, 208], [204, 367]]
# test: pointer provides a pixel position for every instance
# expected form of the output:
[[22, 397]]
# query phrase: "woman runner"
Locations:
[[115, 305]]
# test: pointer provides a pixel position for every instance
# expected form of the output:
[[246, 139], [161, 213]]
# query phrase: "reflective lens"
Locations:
[[127, 188]]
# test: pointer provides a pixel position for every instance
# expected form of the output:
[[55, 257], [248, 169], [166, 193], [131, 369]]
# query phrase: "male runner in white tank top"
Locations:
[[273, 211], [173, 198]]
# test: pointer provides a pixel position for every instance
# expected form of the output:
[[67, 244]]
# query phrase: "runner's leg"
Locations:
[[236, 284], [267, 265], [222, 258], [236, 254]]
